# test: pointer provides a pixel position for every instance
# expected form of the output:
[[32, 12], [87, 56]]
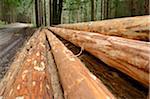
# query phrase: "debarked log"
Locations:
[[137, 28], [76, 79], [129, 56], [28, 77]]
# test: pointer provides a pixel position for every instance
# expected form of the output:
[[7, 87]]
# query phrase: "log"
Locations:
[[76, 79], [129, 56], [28, 77], [137, 28], [111, 78]]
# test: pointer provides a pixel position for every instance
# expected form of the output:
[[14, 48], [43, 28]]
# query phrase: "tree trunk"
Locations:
[[147, 6], [41, 13], [51, 12], [54, 21], [60, 11], [92, 10], [76, 80], [107, 9], [44, 13], [134, 8], [129, 56], [139, 29], [56, 12], [37, 12], [101, 9], [116, 8]]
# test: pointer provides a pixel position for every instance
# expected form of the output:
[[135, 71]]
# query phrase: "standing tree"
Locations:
[[146, 7], [92, 10], [55, 10], [37, 13], [8, 8]]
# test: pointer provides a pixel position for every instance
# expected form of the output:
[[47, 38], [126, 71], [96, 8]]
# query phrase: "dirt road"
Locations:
[[12, 37]]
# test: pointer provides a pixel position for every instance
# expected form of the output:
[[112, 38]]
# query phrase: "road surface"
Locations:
[[12, 37]]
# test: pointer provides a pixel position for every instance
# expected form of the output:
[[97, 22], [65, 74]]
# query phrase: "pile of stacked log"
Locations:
[[127, 55], [46, 69], [136, 28], [29, 76]]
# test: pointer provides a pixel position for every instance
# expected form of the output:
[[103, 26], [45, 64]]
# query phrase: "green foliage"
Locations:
[[13, 3], [80, 10], [24, 6], [16, 10], [76, 11], [21, 5]]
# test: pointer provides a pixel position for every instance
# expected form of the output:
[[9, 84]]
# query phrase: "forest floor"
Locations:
[[12, 37]]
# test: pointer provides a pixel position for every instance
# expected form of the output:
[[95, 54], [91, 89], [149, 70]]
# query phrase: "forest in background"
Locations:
[[87, 10], [52, 12]]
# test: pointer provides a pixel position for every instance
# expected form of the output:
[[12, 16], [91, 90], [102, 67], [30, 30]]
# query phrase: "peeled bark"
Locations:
[[76, 79], [132, 28], [28, 76], [128, 56]]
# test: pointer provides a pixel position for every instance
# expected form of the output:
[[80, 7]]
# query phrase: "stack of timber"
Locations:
[[46, 67], [128, 56], [29, 76], [137, 28], [77, 81], [121, 85]]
